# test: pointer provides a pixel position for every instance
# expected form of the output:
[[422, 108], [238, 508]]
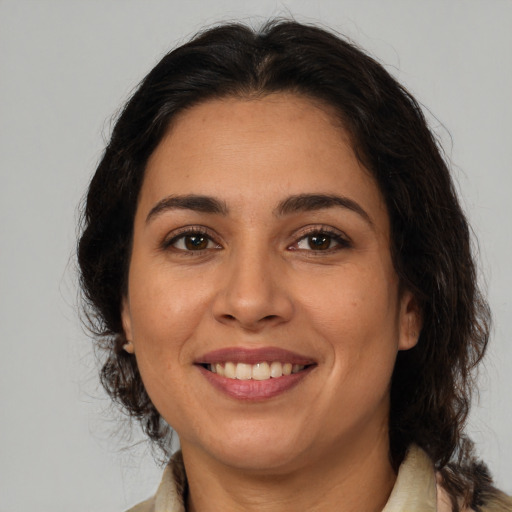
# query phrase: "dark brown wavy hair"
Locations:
[[430, 238]]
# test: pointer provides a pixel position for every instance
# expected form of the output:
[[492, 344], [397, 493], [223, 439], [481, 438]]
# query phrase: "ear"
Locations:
[[126, 320], [411, 321]]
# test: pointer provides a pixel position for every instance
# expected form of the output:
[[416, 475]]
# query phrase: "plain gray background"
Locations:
[[65, 68]]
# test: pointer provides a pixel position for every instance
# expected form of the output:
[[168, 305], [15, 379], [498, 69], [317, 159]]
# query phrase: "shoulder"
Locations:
[[489, 499], [170, 495], [145, 506], [495, 501], [420, 487]]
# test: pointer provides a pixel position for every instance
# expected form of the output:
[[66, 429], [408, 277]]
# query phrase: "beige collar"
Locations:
[[415, 489]]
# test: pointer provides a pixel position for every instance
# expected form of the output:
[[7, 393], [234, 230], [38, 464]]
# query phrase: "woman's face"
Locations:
[[261, 246]]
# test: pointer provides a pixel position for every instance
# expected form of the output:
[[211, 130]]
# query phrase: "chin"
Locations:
[[263, 459], [257, 449]]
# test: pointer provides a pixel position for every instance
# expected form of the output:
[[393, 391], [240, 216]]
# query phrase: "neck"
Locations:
[[358, 478]]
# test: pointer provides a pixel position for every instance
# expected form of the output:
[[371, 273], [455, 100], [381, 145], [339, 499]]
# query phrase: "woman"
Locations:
[[278, 265]]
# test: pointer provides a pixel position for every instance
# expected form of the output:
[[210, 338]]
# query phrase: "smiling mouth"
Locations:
[[254, 374], [260, 371]]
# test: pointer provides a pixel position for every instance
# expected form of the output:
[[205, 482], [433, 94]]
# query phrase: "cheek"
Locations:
[[165, 311], [357, 316], [353, 304]]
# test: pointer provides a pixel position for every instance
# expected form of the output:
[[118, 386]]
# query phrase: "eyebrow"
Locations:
[[197, 203], [312, 202], [293, 204]]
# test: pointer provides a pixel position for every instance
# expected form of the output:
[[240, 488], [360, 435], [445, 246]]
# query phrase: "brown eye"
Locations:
[[319, 242], [322, 241], [195, 242]]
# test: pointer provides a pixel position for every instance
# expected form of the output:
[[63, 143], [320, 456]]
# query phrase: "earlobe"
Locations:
[[128, 347], [127, 326], [411, 321]]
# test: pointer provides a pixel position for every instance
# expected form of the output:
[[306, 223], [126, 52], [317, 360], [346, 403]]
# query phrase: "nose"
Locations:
[[253, 294]]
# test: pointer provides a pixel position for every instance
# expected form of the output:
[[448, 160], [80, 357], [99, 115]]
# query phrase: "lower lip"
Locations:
[[254, 390]]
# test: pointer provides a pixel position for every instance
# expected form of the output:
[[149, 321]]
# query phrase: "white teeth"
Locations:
[[218, 369], [243, 371], [230, 370], [261, 371], [258, 371], [276, 369]]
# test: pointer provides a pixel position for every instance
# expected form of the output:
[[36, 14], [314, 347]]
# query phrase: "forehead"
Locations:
[[255, 151]]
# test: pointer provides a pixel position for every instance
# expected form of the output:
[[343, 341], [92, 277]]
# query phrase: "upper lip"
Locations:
[[253, 356]]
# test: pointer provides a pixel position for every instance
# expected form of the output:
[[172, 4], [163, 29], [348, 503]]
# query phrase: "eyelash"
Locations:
[[340, 239], [190, 232]]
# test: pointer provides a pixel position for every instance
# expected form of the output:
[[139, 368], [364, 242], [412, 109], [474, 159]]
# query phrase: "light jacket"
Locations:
[[416, 489]]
